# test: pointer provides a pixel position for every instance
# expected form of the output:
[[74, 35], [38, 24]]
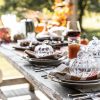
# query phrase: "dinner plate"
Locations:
[[65, 83], [77, 81], [81, 81], [43, 61]]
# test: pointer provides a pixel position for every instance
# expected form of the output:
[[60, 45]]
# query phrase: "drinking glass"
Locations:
[[29, 26]]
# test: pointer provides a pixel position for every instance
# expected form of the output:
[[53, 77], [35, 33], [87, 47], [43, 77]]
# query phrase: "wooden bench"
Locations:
[[16, 89]]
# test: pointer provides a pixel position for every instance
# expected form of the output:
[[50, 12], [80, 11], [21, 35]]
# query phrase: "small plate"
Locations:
[[43, 61]]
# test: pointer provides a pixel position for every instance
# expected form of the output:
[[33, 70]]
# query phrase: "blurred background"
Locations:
[[52, 11]]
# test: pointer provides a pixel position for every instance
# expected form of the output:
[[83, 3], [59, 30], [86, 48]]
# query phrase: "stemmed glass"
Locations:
[[73, 31]]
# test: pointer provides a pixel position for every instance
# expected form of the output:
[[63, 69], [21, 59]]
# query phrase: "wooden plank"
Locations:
[[16, 92], [19, 94], [13, 81]]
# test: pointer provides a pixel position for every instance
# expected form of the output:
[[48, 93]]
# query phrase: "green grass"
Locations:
[[92, 32], [91, 24]]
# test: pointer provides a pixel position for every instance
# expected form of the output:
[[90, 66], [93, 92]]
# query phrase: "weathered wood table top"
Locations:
[[52, 89]]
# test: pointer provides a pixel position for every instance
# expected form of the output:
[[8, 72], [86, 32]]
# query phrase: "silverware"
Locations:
[[84, 96], [75, 95], [39, 70]]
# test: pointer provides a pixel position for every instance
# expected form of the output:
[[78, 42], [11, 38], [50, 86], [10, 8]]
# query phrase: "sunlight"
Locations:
[[40, 95], [2, 2], [13, 87], [25, 97]]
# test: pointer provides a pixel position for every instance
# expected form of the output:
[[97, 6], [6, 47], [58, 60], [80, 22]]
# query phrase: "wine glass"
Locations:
[[73, 31]]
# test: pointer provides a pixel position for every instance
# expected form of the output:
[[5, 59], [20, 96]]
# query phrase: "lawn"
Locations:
[[92, 25], [8, 70]]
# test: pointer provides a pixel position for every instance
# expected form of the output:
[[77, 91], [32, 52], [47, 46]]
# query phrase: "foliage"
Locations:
[[93, 6], [20, 6], [62, 11], [92, 32]]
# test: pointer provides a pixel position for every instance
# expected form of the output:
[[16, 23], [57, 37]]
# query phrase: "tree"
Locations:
[[90, 6]]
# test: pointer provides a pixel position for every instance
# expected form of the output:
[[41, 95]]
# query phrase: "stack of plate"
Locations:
[[73, 82], [48, 60]]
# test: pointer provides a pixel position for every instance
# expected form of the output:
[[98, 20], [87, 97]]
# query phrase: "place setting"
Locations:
[[44, 54], [27, 43], [82, 70]]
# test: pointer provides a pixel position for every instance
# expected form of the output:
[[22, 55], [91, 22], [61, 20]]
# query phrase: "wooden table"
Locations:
[[52, 89]]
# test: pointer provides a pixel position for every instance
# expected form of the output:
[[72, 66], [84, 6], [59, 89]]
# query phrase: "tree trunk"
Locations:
[[74, 15], [74, 4], [81, 5]]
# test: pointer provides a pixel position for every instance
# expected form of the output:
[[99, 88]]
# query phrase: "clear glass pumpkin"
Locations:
[[43, 50]]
